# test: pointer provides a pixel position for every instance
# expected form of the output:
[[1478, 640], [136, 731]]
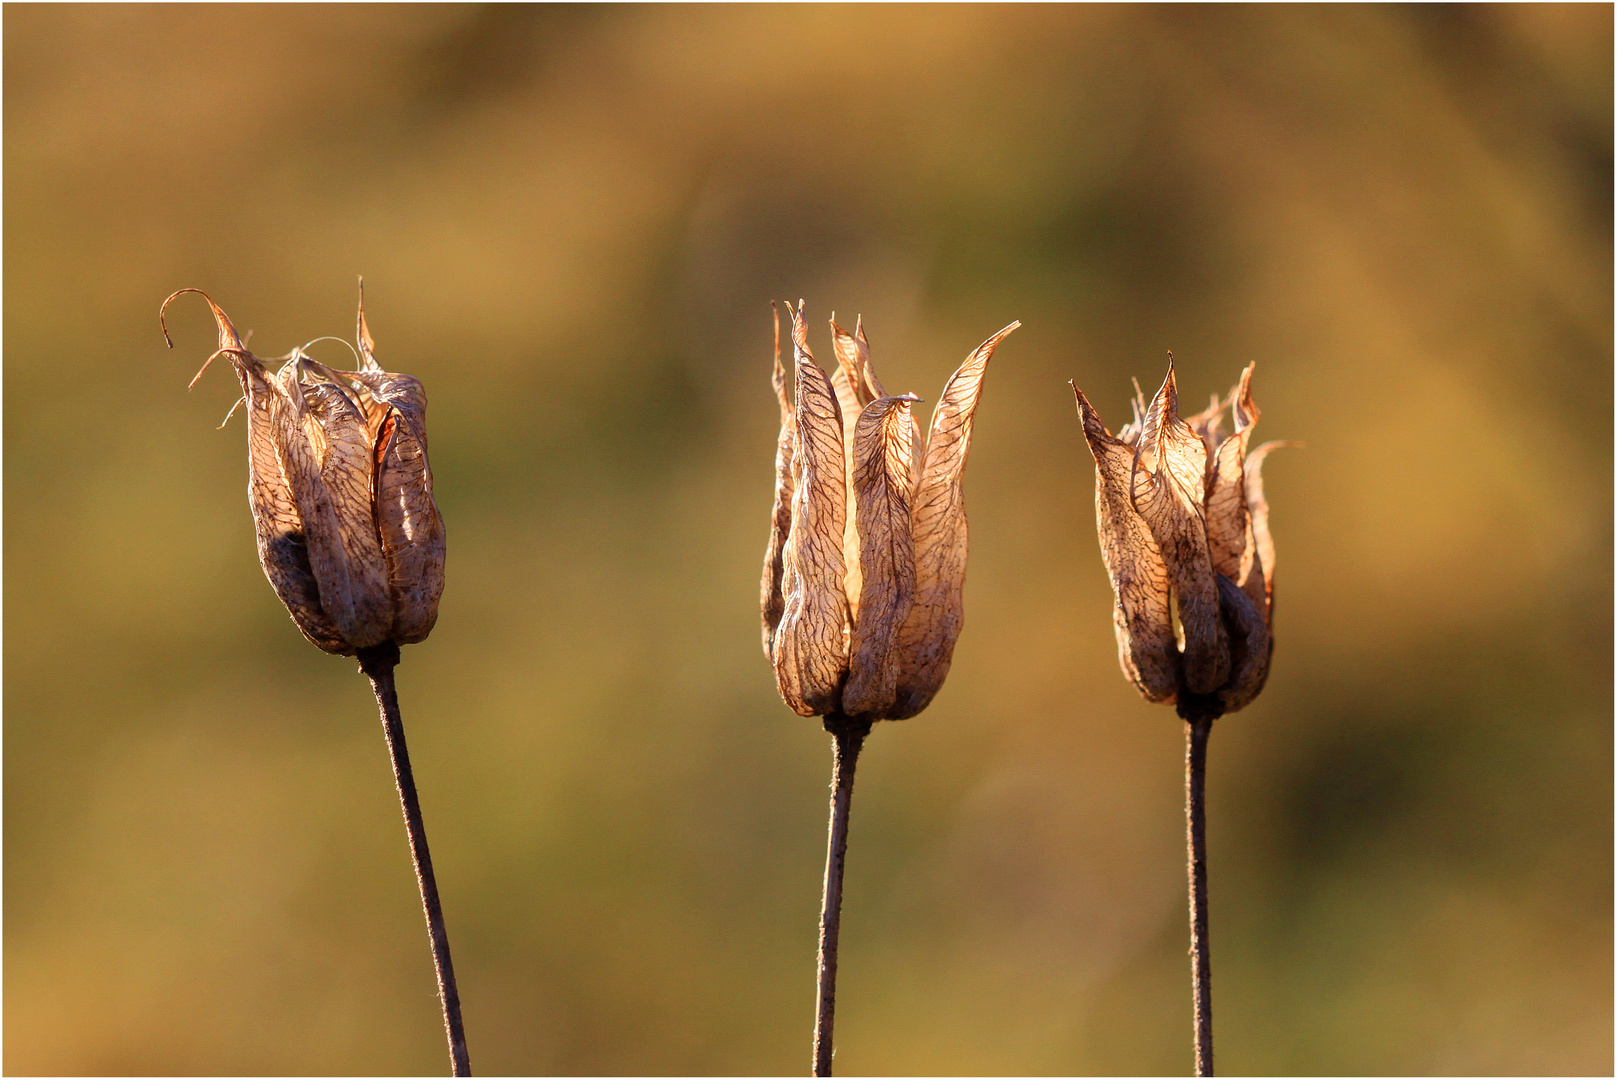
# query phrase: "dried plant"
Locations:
[[351, 540], [1184, 534], [865, 570]]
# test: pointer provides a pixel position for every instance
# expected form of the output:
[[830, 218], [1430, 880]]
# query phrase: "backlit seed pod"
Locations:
[[341, 493], [866, 565], [1184, 534]]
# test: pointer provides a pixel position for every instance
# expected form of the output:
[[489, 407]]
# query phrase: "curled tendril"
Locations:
[[230, 342], [231, 413]]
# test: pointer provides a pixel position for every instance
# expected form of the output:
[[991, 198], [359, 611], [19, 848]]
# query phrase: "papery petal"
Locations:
[[409, 527], [853, 358], [811, 642], [1229, 535], [1206, 424], [772, 595], [883, 481], [362, 336], [938, 514], [1141, 617], [1258, 510], [325, 452], [283, 549], [852, 399], [1170, 476], [1250, 646], [278, 528]]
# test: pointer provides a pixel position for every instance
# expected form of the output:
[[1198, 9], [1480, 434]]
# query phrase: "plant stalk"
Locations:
[[1197, 728], [378, 662], [848, 738]]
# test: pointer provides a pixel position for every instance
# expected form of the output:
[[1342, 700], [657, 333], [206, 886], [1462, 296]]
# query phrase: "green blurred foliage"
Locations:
[[571, 222]]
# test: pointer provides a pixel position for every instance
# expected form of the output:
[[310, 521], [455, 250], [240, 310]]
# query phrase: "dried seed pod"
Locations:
[[1181, 517], [866, 564], [341, 493]]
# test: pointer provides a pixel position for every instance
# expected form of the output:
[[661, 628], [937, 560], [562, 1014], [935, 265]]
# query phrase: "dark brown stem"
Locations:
[[849, 738], [1198, 725], [378, 662]]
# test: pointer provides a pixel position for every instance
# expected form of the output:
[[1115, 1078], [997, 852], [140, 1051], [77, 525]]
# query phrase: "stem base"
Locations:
[[848, 736], [378, 662]]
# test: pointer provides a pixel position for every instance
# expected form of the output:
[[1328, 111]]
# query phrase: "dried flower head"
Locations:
[[863, 577], [1184, 533], [341, 492]]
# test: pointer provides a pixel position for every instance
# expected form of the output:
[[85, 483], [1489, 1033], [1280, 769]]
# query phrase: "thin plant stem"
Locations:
[[1197, 728], [378, 662], [848, 738]]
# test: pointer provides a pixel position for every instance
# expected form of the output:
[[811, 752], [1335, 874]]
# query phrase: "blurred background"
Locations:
[[571, 221]]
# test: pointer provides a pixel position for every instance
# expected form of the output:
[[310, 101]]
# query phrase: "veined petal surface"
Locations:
[[1141, 617], [1170, 476], [883, 480], [938, 513], [771, 595], [811, 642]]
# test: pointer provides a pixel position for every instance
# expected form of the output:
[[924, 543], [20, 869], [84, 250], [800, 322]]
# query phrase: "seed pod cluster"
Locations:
[[1184, 528], [341, 492], [866, 566]]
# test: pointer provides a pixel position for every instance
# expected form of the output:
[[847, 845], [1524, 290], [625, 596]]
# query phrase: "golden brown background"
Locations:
[[571, 222]]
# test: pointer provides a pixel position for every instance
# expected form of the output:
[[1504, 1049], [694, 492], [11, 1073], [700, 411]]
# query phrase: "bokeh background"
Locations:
[[571, 222]]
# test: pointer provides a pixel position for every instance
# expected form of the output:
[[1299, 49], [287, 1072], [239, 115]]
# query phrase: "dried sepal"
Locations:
[[772, 596], [408, 524], [1229, 531], [811, 642], [1141, 617], [853, 363], [1250, 646], [1258, 511], [938, 517], [852, 397], [883, 480], [353, 594], [1170, 472], [277, 525]]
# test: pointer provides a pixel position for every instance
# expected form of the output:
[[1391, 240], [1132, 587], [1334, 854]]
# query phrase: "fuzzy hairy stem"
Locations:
[[378, 662], [848, 737]]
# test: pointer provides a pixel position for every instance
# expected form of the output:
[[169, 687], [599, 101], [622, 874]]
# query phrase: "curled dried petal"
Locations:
[[1206, 424], [882, 484], [811, 642], [938, 514], [1169, 487], [1250, 646], [326, 451], [852, 397], [410, 528], [772, 598], [277, 526], [1258, 510], [1229, 534], [853, 360], [1141, 616]]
